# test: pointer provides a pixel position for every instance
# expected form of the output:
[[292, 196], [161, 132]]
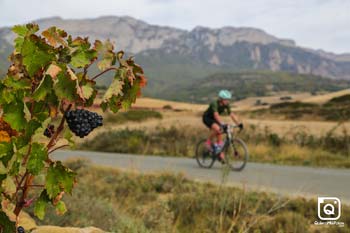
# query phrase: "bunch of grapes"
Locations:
[[20, 229], [81, 122], [49, 131]]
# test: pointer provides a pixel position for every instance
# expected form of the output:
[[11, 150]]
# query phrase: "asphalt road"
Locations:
[[285, 180]]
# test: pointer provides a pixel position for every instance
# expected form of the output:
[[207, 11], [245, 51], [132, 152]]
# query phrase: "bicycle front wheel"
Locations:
[[236, 154], [204, 156]]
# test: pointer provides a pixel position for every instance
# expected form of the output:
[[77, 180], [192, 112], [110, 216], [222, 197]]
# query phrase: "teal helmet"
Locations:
[[225, 94]]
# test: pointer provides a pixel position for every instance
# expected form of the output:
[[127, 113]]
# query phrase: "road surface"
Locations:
[[285, 180]]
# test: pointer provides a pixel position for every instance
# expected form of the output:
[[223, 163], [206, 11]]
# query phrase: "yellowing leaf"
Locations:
[[87, 90], [53, 70], [71, 74], [55, 36], [114, 89], [9, 185], [4, 136]]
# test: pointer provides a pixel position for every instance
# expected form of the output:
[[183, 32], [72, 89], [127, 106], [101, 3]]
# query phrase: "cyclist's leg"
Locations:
[[216, 132]]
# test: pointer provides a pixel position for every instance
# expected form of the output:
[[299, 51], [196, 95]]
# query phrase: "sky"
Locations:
[[317, 24]]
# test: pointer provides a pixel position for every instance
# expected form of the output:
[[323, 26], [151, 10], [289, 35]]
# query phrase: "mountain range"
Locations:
[[174, 57]]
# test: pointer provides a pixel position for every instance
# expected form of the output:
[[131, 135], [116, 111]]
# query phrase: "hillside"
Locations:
[[255, 83], [173, 58]]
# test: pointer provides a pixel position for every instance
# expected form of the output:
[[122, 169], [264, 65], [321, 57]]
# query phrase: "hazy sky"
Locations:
[[318, 24]]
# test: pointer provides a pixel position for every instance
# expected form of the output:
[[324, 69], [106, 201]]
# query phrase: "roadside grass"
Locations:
[[296, 147], [120, 201]]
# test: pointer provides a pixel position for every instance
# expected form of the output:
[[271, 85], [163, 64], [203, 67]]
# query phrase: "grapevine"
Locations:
[[43, 99]]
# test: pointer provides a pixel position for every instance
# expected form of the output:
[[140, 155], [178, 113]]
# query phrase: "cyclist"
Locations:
[[211, 118]]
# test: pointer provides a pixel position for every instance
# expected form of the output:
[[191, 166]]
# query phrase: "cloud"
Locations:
[[317, 24]]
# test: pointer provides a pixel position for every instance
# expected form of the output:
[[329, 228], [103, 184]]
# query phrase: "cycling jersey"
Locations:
[[208, 116]]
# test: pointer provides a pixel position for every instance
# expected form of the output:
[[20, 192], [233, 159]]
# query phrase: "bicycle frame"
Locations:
[[229, 136]]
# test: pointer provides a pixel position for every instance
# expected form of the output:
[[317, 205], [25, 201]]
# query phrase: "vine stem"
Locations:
[[52, 142], [105, 71], [59, 147]]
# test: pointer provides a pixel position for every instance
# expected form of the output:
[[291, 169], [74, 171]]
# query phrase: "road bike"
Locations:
[[234, 148]]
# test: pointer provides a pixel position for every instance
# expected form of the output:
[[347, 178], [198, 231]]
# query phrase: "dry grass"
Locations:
[[326, 97], [54, 229]]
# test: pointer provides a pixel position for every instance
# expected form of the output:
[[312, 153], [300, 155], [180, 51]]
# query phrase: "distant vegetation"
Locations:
[[132, 115], [298, 147], [123, 202], [256, 83], [336, 109]]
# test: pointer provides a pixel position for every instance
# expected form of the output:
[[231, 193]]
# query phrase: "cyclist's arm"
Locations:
[[217, 118], [235, 118]]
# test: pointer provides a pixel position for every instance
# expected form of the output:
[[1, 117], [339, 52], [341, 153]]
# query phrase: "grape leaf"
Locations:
[[14, 84], [36, 54], [9, 185], [115, 89], [82, 54], [53, 70], [14, 115], [67, 134], [131, 94], [43, 89], [55, 36], [61, 208], [6, 225], [59, 178], [65, 88], [3, 169], [105, 50], [37, 157], [41, 204], [87, 90], [22, 31]]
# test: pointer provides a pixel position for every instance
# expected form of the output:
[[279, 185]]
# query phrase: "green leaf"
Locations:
[[36, 54], [3, 169], [59, 178], [115, 89], [65, 88], [27, 114], [67, 134], [41, 111], [44, 88], [14, 84], [22, 31], [61, 208], [130, 95], [82, 54], [37, 157], [6, 225], [31, 127], [105, 50], [6, 149], [87, 90], [14, 115], [41, 204]]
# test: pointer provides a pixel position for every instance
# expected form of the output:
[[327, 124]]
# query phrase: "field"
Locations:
[[119, 201], [306, 142]]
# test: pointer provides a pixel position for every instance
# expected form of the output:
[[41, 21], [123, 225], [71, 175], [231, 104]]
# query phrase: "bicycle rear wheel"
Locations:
[[204, 156], [236, 154]]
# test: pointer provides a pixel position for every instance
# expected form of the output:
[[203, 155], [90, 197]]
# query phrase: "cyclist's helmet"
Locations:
[[225, 94]]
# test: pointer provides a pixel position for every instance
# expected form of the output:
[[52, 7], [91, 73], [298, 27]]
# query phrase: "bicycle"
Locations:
[[235, 150]]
